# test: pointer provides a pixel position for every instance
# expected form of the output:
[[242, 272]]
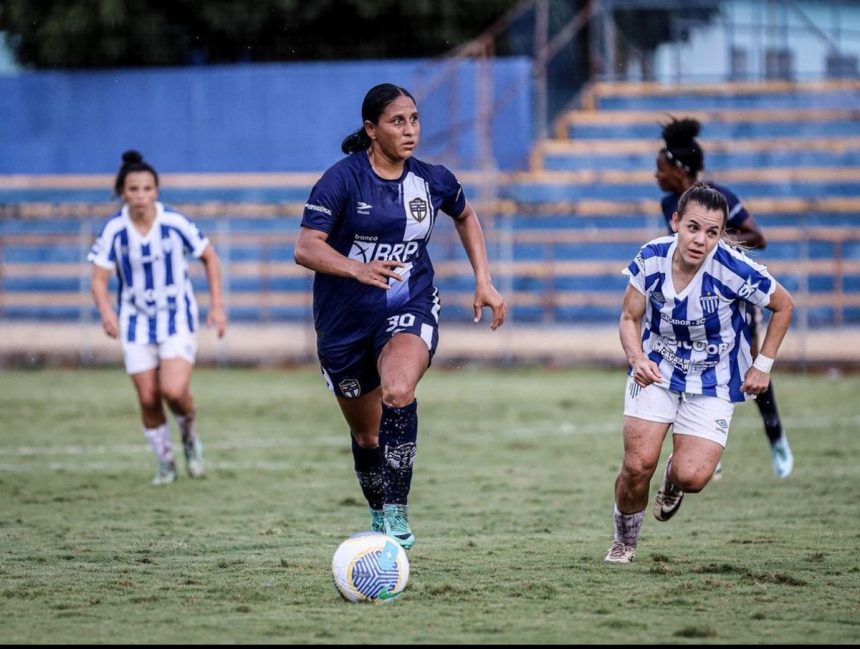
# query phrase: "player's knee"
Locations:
[[150, 401], [691, 481], [173, 394], [398, 393], [637, 468], [366, 438]]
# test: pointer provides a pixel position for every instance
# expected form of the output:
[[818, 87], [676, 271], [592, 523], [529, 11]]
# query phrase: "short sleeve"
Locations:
[[102, 252], [454, 201], [635, 270], [324, 205]]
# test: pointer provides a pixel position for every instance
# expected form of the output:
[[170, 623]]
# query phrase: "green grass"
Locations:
[[511, 505]]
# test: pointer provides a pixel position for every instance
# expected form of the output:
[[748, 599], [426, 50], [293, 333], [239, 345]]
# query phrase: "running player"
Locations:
[[678, 167], [156, 315], [364, 232], [684, 330]]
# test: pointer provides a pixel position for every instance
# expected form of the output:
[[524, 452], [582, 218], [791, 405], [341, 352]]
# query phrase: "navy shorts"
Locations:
[[350, 370]]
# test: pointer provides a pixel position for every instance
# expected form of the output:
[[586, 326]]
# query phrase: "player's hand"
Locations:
[[217, 319], [378, 273], [645, 372], [755, 382], [487, 295], [110, 324]]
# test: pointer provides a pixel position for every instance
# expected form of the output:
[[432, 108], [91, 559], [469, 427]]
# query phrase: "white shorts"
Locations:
[[690, 414], [140, 358]]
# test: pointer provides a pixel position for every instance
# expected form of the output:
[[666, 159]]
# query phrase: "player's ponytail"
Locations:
[[355, 142]]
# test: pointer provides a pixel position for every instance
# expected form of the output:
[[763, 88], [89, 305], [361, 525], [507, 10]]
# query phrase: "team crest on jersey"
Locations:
[[657, 297], [400, 457], [710, 303], [350, 388], [418, 208]]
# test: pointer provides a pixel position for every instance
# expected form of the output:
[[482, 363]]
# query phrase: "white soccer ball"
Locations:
[[370, 567]]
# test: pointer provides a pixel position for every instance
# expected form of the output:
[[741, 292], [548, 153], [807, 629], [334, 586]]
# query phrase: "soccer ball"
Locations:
[[370, 567]]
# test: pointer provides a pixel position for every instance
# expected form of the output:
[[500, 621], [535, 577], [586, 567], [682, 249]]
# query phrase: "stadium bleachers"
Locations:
[[558, 234]]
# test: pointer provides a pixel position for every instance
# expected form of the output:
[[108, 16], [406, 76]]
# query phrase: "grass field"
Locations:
[[511, 506]]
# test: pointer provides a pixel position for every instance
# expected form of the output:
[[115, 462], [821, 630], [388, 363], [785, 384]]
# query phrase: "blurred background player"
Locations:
[[690, 358], [146, 242], [364, 232], [679, 163]]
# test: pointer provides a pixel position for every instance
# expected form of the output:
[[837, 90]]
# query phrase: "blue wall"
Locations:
[[266, 117]]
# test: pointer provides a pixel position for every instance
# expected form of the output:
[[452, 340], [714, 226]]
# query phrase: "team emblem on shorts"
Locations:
[[350, 388], [400, 457], [418, 207]]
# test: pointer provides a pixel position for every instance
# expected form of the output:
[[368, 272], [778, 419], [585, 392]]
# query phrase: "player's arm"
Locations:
[[758, 376], [99, 289], [313, 251], [645, 371], [217, 316], [472, 237]]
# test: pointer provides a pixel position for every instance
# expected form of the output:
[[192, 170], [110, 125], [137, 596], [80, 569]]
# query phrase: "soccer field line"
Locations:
[[300, 439]]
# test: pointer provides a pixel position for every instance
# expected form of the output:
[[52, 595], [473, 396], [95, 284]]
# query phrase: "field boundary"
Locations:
[[32, 344]]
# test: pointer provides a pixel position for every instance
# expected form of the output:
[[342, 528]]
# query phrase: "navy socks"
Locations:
[[398, 432]]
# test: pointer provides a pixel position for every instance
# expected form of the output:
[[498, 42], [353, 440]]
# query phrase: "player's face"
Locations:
[[699, 230], [139, 191], [398, 130], [669, 177]]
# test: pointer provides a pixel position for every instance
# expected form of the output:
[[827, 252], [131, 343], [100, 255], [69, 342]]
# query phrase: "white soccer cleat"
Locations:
[[193, 457], [781, 457], [166, 474], [620, 553]]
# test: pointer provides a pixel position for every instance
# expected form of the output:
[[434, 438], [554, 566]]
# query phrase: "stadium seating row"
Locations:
[[558, 234]]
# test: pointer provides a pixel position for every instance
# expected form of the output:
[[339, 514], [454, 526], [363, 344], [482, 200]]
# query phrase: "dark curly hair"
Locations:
[[681, 148]]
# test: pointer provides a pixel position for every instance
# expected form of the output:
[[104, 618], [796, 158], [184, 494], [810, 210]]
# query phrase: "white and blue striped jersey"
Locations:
[[699, 336], [369, 218], [155, 299]]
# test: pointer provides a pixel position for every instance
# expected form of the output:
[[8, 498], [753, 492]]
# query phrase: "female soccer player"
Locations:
[[684, 330], [678, 166], [146, 242], [364, 232]]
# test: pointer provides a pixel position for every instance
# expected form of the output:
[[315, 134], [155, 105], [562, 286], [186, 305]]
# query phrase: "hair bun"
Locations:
[[681, 132], [132, 156]]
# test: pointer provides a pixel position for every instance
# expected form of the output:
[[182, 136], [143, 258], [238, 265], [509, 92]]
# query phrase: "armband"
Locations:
[[763, 363]]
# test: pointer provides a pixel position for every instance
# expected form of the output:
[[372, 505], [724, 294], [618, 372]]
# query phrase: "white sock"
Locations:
[[627, 526], [159, 440]]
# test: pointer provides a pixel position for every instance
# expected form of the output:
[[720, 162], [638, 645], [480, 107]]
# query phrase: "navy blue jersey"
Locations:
[[369, 218], [737, 212]]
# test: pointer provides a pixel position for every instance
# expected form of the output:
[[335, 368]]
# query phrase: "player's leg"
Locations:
[[402, 363], [648, 413], [781, 456], [362, 414], [141, 363], [351, 375], [699, 437], [782, 459], [176, 390]]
